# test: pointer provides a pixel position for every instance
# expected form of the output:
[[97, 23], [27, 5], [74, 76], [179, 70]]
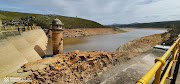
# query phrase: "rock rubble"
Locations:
[[26, 21], [74, 68]]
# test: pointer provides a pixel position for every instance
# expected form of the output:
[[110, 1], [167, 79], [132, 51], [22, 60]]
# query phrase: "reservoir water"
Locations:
[[107, 42]]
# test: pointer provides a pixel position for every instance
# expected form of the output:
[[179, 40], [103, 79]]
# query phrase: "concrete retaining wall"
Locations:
[[17, 49]]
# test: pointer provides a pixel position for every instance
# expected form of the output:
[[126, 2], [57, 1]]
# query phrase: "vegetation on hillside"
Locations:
[[174, 32], [45, 20], [69, 22], [6, 15], [164, 24]]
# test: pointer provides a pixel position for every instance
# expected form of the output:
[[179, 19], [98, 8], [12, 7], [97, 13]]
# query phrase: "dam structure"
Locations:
[[22, 50], [24, 45], [18, 48]]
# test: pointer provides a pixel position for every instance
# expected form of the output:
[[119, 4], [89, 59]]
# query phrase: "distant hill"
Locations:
[[165, 24], [45, 20]]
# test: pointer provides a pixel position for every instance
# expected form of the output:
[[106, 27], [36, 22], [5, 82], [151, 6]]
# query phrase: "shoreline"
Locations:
[[92, 31], [144, 28]]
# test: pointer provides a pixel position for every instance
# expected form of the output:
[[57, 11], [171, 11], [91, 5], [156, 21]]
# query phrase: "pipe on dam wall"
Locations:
[[17, 49]]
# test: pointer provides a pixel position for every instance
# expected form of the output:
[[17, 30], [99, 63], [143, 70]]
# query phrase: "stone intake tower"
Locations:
[[57, 36]]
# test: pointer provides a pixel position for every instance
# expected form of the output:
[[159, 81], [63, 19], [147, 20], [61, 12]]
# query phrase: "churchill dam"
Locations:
[[89, 42], [56, 55]]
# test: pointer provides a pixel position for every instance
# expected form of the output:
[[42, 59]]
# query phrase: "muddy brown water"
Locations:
[[107, 42]]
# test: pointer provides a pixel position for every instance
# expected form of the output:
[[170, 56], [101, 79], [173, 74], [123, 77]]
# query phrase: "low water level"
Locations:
[[107, 42]]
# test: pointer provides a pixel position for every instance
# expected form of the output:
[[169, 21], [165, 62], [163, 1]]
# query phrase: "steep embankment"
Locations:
[[16, 18], [143, 44], [17, 49]]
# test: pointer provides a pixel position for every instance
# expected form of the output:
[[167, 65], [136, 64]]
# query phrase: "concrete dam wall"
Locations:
[[18, 48]]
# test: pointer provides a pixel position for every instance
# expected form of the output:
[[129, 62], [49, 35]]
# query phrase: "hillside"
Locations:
[[164, 24], [45, 20]]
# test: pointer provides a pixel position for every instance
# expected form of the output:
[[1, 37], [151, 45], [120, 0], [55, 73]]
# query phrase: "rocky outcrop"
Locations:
[[76, 67], [26, 21]]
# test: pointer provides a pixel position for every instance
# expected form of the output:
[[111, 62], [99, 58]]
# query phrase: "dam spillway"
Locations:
[[18, 48]]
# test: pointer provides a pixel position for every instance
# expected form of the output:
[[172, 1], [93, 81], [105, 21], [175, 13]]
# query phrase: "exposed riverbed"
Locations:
[[108, 42]]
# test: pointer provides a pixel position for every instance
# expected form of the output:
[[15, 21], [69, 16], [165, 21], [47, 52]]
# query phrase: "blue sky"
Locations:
[[102, 11]]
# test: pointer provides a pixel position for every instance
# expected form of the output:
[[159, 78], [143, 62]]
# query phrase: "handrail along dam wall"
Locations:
[[18, 48]]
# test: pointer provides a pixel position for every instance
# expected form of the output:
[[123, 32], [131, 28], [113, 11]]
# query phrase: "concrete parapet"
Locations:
[[25, 29], [29, 28]]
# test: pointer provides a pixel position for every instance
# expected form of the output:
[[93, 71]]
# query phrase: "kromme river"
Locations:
[[107, 42]]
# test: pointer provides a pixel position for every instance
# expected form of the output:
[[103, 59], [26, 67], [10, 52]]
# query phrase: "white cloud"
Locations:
[[102, 11]]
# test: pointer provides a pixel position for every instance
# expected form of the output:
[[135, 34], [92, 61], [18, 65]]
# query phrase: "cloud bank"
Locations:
[[102, 11]]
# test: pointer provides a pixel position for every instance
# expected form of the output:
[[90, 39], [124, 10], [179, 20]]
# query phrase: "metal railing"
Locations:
[[19, 28], [159, 63]]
